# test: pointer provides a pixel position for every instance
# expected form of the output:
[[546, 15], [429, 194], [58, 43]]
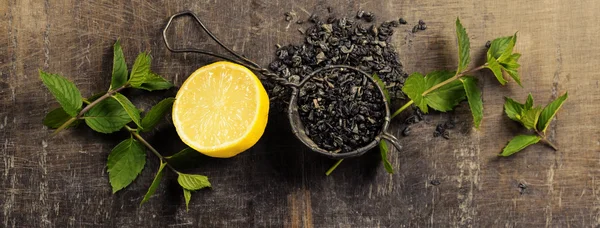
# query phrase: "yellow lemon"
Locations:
[[221, 110]]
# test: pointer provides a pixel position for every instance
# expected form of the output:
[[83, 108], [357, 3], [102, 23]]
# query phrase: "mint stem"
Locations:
[[103, 97], [545, 140], [65, 125], [154, 151], [455, 77], [402, 108], [333, 167]]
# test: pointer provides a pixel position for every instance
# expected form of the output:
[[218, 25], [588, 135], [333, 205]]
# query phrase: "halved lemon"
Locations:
[[221, 110]]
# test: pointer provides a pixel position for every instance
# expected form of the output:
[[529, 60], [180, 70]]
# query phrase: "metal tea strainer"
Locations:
[[294, 117]]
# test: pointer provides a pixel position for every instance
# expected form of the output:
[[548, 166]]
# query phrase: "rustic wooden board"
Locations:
[[62, 181]]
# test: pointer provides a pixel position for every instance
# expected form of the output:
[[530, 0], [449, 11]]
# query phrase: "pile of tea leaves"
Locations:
[[341, 109], [340, 41]]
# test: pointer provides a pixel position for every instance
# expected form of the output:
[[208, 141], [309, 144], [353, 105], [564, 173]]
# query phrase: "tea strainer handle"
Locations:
[[242, 60], [392, 139]]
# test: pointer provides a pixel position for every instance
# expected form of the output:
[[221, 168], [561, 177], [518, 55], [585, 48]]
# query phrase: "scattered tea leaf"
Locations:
[[549, 112], [414, 86], [131, 110], [193, 182], [65, 92], [519, 143], [156, 113], [382, 85], [57, 117], [446, 97], [155, 183], [140, 70], [124, 163], [154, 82], [464, 47], [513, 109], [474, 98], [119, 71], [107, 116], [383, 148], [188, 196]]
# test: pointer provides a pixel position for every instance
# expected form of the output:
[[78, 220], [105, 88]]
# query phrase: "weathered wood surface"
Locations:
[[62, 181]]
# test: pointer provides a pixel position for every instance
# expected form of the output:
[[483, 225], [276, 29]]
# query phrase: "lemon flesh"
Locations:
[[221, 110]]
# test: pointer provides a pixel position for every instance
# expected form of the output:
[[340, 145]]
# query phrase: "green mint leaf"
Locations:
[[65, 92], [140, 70], [193, 182], [464, 47], [381, 84], [529, 117], [188, 196], [512, 62], [186, 158], [183, 154], [156, 113], [414, 86], [124, 163], [119, 71], [514, 74], [513, 109], [107, 116], [446, 97], [507, 53], [383, 148], [155, 183], [155, 82], [496, 69], [498, 47], [474, 98], [131, 110], [519, 143], [529, 102], [549, 112], [57, 117]]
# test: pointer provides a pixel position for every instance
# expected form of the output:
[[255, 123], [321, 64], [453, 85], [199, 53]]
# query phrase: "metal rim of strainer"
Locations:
[[294, 117]]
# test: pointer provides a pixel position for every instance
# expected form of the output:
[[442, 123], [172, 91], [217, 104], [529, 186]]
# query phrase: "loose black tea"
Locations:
[[342, 110], [406, 131], [339, 41]]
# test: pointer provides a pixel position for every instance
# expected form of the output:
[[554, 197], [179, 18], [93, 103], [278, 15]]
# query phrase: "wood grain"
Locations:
[[62, 181]]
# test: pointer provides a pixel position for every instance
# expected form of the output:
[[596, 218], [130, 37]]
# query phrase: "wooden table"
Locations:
[[62, 181]]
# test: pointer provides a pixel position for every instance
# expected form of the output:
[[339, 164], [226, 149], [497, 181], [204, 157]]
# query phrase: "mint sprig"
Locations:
[[112, 111], [533, 118], [443, 95]]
